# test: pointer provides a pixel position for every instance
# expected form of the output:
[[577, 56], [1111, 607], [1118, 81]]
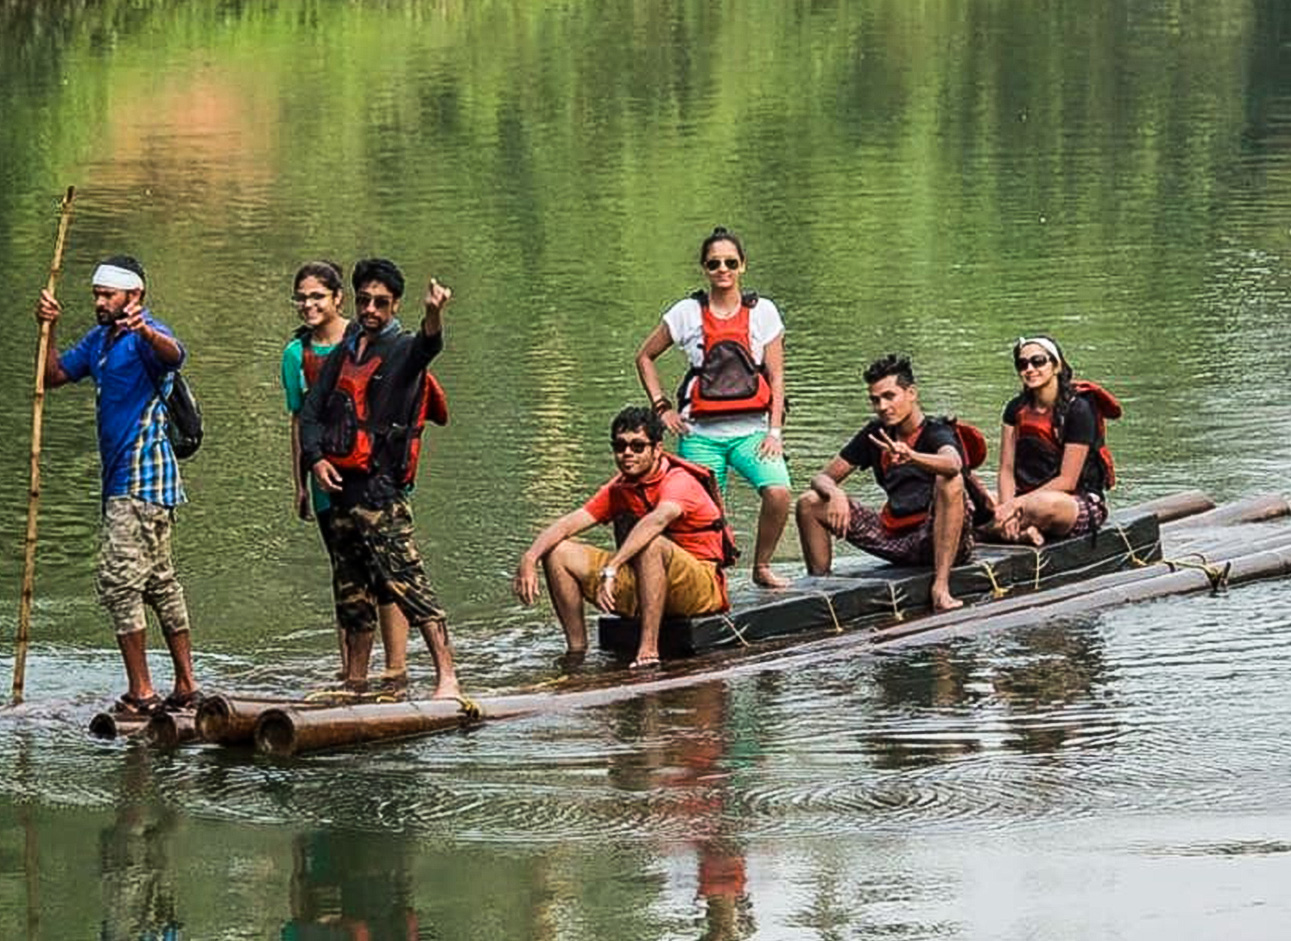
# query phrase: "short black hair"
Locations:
[[128, 262], [891, 365], [381, 270], [638, 418]]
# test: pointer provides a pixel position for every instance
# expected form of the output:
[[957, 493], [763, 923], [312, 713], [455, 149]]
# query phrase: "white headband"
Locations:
[[1047, 345], [119, 279]]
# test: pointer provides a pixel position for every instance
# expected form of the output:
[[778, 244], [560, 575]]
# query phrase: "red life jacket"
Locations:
[[713, 541], [354, 440], [972, 449], [1038, 426], [728, 381]]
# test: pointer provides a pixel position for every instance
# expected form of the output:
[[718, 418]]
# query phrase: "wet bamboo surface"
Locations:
[[1225, 551], [1230, 554]]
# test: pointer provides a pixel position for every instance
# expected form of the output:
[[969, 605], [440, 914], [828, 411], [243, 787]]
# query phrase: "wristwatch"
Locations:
[[608, 572]]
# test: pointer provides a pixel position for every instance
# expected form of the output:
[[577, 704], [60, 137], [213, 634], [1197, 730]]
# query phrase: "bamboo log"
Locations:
[[1257, 509], [110, 725], [22, 641], [1177, 505], [290, 731], [170, 729], [286, 731], [231, 720]]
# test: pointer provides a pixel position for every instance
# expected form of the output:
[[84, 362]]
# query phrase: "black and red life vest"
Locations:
[[713, 541], [311, 362], [728, 381], [972, 449], [1036, 434], [355, 441]]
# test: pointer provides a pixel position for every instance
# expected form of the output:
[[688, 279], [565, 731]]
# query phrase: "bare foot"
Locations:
[[943, 600], [448, 689], [1031, 535], [644, 663], [766, 577]]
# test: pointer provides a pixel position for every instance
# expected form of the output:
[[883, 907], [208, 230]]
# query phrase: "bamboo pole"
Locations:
[[170, 729], [22, 641], [1176, 505]]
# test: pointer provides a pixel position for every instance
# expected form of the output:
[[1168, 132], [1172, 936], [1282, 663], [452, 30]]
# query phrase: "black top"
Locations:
[[909, 488], [393, 393], [1036, 461]]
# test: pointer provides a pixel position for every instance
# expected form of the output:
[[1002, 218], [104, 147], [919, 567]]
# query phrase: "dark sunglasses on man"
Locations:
[[379, 301], [622, 444]]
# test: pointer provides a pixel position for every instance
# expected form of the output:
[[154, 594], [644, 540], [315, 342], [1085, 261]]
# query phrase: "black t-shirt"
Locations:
[[909, 488], [1036, 459], [393, 394]]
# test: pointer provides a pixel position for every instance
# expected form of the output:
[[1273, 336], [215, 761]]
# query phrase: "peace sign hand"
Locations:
[[898, 451]]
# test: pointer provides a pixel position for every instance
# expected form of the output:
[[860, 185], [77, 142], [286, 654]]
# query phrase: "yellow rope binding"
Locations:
[[1218, 577], [833, 615], [1041, 563], [1134, 559], [734, 630], [469, 709], [896, 600], [997, 591]]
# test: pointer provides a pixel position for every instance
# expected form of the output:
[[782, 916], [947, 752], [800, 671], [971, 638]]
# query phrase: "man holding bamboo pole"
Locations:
[[131, 357]]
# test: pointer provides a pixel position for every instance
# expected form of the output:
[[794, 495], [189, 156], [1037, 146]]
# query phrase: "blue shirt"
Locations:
[[134, 449]]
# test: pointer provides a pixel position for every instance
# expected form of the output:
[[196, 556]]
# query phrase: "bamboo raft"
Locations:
[[1171, 546]]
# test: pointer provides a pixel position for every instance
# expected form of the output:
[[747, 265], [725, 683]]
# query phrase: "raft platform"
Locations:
[[864, 593]]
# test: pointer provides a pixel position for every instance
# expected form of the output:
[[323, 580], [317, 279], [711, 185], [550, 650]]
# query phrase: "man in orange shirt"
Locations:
[[672, 539]]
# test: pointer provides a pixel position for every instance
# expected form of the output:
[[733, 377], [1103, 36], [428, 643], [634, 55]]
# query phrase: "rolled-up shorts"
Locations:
[[1091, 513], [741, 453], [694, 587], [375, 561], [135, 569], [913, 546]]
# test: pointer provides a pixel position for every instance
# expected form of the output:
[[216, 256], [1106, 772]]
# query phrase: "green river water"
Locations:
[[926, 176]]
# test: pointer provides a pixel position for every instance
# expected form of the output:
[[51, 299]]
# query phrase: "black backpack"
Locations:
[[185, 425]]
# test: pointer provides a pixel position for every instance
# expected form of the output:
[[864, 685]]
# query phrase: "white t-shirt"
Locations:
[[685, 320]]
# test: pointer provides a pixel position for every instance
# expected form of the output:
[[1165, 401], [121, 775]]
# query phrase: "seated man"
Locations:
[[671, 535], [917, 462]]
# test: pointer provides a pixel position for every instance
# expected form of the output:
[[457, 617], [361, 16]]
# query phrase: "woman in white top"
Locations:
[[730, 411]]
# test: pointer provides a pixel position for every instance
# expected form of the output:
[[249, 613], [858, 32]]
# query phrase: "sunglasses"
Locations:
[[732, 264], [316, 297], [1037, 361], [636, 447], [379, 301]]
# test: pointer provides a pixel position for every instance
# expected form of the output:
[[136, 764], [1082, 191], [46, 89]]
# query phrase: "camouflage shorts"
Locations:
[[375, 561], [135, 568]]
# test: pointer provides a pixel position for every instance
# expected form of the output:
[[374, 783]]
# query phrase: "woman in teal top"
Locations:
[[318, 295]]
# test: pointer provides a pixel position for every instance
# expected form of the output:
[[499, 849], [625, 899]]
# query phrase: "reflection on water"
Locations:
[[933, 178]]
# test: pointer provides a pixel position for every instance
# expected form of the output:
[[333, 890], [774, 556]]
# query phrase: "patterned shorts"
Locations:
[[912, 546], [135, 569], [375, 561], [1091, 513]]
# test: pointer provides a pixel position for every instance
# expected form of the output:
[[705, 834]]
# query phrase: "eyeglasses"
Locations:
[[732, 264], [1034, 362], [379, 301], [622, 444], [313, 297]]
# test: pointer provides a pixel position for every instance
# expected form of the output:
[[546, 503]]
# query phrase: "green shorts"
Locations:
[[741, 453]]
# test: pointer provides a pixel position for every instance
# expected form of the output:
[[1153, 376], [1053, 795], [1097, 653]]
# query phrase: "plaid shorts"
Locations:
[[375, 561], [912, 546], [1091, 513]]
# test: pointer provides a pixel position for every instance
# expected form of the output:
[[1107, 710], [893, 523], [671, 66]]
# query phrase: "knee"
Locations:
[[809, 506], [950, 487], [776, 498]]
